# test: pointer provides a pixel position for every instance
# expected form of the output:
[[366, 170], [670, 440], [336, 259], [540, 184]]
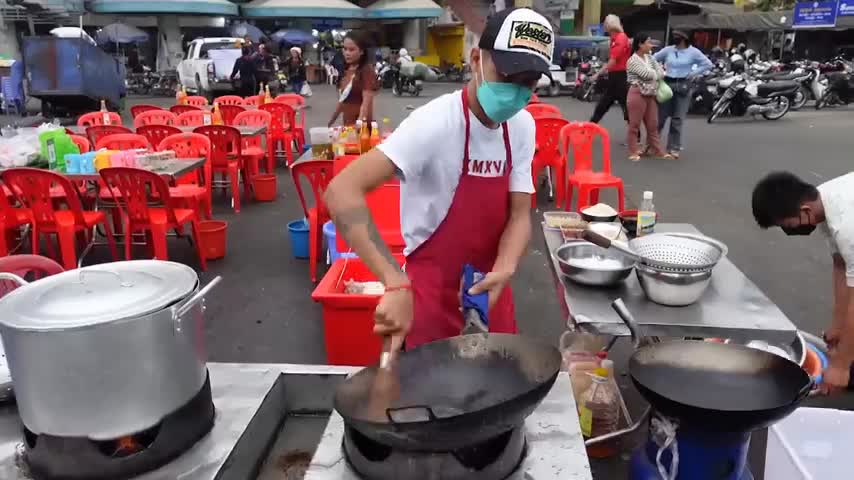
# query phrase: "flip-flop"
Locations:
[[634, 158]]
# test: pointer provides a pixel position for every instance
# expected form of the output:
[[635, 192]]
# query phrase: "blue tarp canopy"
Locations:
[[301, 9], [197, 7], [403, 9]]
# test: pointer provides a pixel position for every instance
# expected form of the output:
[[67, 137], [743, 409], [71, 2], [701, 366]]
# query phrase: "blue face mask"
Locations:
[[499, 100]]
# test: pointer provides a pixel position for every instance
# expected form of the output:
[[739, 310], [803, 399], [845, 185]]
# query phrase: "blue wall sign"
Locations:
[[846, 8], [815, 14]]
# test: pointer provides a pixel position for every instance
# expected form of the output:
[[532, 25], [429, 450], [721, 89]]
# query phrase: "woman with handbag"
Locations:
[[683, 64], [644, 75]]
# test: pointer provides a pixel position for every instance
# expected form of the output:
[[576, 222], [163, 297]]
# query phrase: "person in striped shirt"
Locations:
[[643, 74]]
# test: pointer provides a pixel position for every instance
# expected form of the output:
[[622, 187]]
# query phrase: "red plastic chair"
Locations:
[[123, 141], [229, 100], [156, 133], [97, 118], [253, 101], [253, 150], [230, 112], [135, 185], [283, 119], [192, 192], [538, 110], [179, 109], [318, 173], [196, 118], [580, 138], [547, 154], [137, 109], [225, 157], [98, 132], [196, 101], [154, 117], [32, 187], [292, 99], [298, 103], [28, 267], [11, 219], [82, 143]]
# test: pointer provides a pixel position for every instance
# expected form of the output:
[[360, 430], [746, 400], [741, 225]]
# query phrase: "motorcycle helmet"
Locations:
[[403, 52], [737, 63]]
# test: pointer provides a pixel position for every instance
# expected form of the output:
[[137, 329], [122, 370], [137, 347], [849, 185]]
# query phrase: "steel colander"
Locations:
[[678, 251]]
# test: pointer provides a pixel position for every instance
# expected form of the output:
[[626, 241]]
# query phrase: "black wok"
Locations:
[[715, 386], [453, 393]]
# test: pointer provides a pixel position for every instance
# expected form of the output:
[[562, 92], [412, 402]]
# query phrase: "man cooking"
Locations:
[[464, 162], [782, 199]]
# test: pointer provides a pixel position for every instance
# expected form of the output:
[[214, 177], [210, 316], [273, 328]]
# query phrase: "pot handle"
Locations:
[[187, 305], [122, 282], [11, 276], [629, 320]]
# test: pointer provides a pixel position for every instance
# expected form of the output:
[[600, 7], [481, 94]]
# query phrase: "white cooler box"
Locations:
[[811, 444]]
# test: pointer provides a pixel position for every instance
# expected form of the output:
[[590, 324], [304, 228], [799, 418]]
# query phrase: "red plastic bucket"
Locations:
[[265, 187], [213, 238]]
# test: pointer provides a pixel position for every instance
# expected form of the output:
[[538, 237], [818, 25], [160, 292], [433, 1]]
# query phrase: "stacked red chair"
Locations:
[[229, 100], [538, 110], [11, 220], [253, 101], [579, 139], [123, 141], [253, 150], [179, 109], [97, 132], [33, 188], [282, 119], [195, 118], [154, 117], [97, 118], [547, 155], [194, 192], [196, 101], [230, 112], [137, 109], [157, 133], [225, 157], [318, 173], [24, 266], [82, 143], [298, 103], [135, 185]]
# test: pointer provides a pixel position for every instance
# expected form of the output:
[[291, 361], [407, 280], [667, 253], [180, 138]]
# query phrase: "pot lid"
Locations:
[[98, 294]]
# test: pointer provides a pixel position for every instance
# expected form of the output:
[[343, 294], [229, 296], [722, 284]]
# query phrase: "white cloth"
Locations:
[[837, 196], [427, 149]]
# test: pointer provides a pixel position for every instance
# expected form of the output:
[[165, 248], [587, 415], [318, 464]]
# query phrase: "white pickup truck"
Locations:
[[207, 66]]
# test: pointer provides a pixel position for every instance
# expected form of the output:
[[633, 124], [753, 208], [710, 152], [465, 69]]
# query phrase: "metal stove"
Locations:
[[275, 421]]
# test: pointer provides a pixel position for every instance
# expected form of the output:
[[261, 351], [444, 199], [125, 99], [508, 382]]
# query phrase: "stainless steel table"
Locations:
[[732, 307], [171, 169]]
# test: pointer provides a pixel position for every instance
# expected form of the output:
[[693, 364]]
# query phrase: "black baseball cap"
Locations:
[[520, 40]]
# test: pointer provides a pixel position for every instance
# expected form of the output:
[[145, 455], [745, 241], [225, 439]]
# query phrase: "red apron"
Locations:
[[470, 233]]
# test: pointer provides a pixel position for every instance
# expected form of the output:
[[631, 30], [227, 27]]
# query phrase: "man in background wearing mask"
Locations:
[[464, 161], [783, 200]]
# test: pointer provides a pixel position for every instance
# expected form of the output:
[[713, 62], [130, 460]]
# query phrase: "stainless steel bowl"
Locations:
[[578, 260], [674, 289]]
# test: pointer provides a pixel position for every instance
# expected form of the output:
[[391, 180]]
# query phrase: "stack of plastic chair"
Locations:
[[547, 155], [230, 112], [196, 101], [156, 133], [579, 139], [194, 194], [179, 109], [194, 119], [253, 101], [97, 118], [135, 186], [32, 187], [318, 173], [225, 157], [11, 220], [137, 109], [82, 143], [24, 266], [229, 100], [123, 141], [253, 150], [97, 132], [298, 103], [282, 119], [154, 117], [539, 110], [13, 97]]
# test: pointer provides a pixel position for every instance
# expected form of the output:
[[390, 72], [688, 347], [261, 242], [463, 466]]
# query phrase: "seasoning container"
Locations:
[[599, 412]]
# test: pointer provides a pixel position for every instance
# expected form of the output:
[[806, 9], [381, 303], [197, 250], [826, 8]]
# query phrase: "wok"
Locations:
[[715, 386], [453, 393]]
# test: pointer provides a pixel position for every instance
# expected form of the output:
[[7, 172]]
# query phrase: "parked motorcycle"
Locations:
[[405, 84], [743, 97], [799, 75], [840, 90]]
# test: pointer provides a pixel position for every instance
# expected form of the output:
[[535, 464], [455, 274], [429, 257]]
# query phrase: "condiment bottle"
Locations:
[[105, 114], [181, 95], [261, 91], [375, 134], [599, 412], [646, 215], [217, 115], [267, 97], [364, 137]]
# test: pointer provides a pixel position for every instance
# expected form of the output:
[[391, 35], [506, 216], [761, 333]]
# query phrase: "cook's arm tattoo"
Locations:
[[350, 222]]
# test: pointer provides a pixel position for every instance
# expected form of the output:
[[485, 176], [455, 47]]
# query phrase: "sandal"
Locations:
[[634, 158], [674, 154]]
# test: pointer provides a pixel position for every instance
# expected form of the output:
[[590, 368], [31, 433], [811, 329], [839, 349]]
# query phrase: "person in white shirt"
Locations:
[[784, 200], [464, 161], [403, 56]]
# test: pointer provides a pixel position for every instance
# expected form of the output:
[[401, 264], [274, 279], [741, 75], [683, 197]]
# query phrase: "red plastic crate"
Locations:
[[348, 320]]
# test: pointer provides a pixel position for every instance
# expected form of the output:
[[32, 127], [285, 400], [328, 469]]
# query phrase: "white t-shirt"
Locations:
[[837, 196], [427, 149]]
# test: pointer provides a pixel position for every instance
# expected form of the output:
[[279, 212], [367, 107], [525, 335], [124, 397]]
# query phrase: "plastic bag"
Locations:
[[663, 93], [306, 90], [19, 151]]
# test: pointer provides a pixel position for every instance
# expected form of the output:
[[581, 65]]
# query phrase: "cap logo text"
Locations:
[[531, 36]]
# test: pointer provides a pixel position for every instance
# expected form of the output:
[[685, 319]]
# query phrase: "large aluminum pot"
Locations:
[[674, 289], [106, 350]]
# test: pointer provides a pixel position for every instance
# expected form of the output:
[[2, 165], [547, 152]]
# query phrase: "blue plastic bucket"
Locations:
[[331, 245], [298, 231]]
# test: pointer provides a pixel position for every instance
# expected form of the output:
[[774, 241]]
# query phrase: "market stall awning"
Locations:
[[197, 7], [403, 9], [301, 8]]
